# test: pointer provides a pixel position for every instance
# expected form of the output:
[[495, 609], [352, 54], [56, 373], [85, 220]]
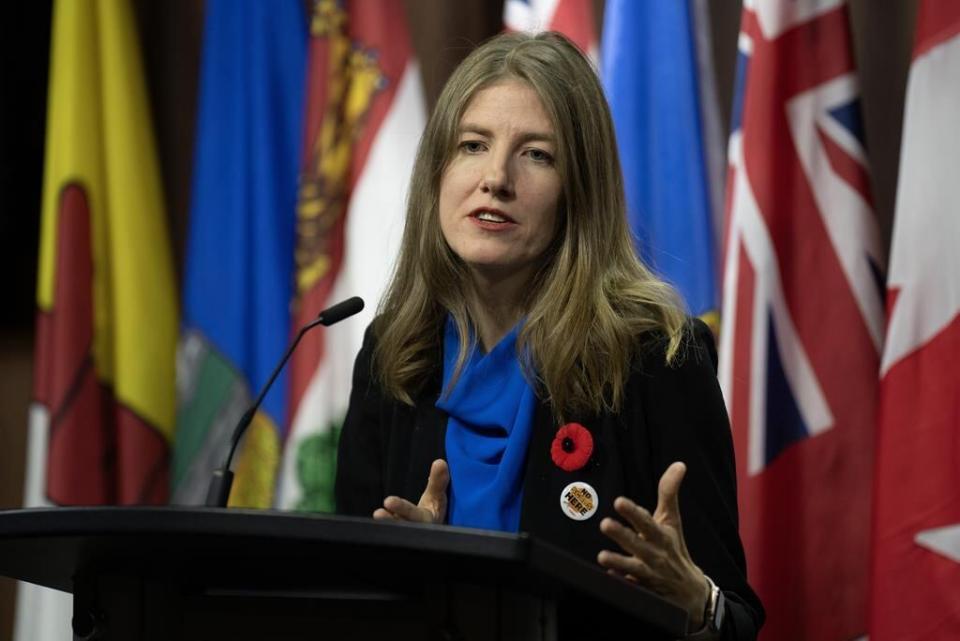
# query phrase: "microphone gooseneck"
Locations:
[[222, 480]]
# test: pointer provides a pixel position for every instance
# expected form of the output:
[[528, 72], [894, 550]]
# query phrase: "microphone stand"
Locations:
[[222, 481]]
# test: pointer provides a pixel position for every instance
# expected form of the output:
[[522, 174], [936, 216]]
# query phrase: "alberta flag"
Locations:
[[802, 319], [238, 278]]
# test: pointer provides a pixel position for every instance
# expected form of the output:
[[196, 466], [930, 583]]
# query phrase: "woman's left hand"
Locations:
[[656, 555]]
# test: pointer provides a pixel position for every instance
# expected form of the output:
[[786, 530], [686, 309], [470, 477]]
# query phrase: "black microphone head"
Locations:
[[341, 310]]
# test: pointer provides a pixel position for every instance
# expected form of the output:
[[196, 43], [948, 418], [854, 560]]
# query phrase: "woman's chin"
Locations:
[[499, 268]]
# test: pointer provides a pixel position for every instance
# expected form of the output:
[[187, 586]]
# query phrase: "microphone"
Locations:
[[222, 480]]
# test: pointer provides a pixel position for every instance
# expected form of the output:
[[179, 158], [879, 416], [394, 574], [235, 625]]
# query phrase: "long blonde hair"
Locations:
[[592, 302]]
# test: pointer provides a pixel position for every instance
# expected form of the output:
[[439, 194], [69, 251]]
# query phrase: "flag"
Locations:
[[659, 82], [365, 114], [103, 415], [916, 560], [238, 278], [572, 18], [802, 318]]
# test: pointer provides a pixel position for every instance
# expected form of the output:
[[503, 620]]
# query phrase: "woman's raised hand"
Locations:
[[432, 507], [656, 555]]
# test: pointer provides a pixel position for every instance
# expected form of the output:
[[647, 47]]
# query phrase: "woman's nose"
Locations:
[[496, 177]]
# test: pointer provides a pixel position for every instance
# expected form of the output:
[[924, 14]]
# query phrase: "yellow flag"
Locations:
[[107, 321]]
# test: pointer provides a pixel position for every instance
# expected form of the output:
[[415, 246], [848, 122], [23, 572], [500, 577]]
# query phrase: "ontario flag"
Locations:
[[365, 114], [103, 415], [916, 562], [802, 318], [572, 18]]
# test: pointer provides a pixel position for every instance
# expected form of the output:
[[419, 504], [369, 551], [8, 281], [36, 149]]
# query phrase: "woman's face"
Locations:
[[499, 193]]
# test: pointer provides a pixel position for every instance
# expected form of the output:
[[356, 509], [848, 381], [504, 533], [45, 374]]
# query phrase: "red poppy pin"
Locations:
[[572, 447]]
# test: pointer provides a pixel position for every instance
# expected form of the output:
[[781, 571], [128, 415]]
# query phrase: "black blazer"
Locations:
[[670, 413]]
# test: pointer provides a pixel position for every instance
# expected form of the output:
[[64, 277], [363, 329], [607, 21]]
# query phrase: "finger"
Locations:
[[640, 519], [624, 565], [630, 541], [405, 510], [438, 480], [434, 497], [621, 575], [668, 495], [382, 514]]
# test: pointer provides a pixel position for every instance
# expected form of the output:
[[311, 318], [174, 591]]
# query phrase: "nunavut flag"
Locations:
[[107, 318], [802, 319], [916, 553]]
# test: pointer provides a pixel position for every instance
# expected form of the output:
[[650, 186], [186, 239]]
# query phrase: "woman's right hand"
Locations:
[[432, 507]]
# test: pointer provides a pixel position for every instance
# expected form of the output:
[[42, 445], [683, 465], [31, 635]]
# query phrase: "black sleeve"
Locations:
[[358, 489], [688, 421]]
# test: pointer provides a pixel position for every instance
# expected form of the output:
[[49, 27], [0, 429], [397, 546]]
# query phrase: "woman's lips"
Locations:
[[491, 219]]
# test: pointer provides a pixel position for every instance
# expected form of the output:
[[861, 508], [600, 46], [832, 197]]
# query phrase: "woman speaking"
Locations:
[[526, 372]]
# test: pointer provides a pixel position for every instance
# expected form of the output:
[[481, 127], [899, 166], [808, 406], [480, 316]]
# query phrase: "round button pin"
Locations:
[[579, 501]]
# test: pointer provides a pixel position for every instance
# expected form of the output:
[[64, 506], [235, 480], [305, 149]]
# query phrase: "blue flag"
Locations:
[[238, 280], [650, 74]]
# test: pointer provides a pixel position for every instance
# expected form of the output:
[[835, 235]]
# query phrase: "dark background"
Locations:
[[442, 31]]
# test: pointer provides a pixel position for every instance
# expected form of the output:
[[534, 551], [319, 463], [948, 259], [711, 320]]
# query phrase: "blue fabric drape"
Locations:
[[490, 420]]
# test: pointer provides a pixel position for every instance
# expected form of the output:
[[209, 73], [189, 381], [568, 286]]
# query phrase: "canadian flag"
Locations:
[[572, 18], [916, 552]]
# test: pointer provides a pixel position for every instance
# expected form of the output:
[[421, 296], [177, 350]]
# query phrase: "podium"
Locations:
[[150, 573]]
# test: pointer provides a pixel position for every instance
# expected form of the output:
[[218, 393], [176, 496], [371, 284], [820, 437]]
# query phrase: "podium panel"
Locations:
[[201, 573]]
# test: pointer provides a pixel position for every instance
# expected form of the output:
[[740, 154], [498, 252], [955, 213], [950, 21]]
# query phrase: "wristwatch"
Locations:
[[713, 616], [713, 613]]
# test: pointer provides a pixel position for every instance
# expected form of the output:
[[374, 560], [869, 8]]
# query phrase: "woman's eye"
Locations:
[[539, 155], [472, 146]]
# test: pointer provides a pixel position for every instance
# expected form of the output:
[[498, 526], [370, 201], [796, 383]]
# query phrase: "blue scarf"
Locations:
[[490, 420]]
